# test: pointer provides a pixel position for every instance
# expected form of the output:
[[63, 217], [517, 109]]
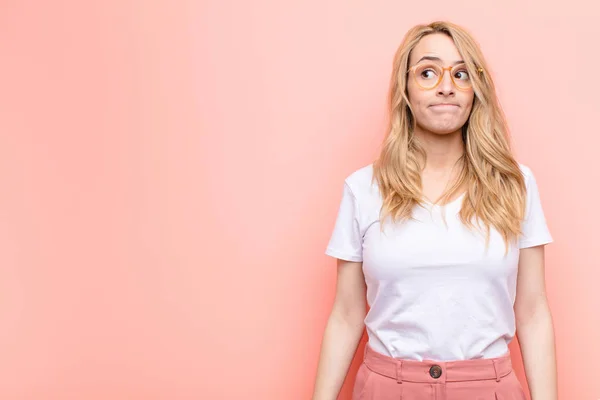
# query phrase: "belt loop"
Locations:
[[399, 371], [496, 370]]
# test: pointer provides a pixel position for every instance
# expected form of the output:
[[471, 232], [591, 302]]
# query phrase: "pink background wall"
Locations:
[[171, 171]]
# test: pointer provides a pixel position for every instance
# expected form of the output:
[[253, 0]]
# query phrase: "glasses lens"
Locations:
[[428, 75], [461, 77]]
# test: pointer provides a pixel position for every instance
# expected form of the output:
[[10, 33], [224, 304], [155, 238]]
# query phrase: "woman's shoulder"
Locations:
[[360, 179], [528, 174], [525, 169], [364, 188]]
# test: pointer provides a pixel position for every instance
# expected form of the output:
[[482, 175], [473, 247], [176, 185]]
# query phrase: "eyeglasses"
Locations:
[[429, 75]]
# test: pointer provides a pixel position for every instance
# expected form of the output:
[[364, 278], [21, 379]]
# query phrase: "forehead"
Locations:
[[438, 45]]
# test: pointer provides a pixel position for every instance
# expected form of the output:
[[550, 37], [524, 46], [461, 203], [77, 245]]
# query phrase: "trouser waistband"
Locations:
[[430, 371]]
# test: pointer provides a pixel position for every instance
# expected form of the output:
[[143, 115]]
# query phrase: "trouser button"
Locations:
[[435, 371]]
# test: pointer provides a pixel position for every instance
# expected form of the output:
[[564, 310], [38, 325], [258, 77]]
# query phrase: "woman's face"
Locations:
[[429, 115]]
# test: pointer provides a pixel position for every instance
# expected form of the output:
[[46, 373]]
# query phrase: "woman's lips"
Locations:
[[444, 106]]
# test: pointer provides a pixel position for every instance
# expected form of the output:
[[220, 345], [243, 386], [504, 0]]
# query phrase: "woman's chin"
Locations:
[[444, 131]]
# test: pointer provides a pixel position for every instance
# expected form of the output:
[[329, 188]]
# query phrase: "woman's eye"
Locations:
[[462, 74], [428, 73]]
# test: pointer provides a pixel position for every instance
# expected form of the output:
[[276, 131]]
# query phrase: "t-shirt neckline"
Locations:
[[447, 204]]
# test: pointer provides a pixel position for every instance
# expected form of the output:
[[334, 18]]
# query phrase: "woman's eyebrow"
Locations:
[[433, 58]]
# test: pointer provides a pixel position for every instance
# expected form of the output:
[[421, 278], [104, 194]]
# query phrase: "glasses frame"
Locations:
[[412, 72]]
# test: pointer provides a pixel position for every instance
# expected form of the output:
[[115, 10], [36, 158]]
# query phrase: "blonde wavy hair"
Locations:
[[496, 192]]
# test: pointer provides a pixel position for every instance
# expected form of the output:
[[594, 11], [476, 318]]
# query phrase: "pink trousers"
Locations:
[[381, 377]]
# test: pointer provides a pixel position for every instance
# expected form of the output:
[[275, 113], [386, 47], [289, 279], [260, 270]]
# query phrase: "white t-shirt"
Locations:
[[434, 293]]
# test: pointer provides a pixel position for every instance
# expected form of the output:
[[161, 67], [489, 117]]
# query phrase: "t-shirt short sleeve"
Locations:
[[535, 230], [346, 240]]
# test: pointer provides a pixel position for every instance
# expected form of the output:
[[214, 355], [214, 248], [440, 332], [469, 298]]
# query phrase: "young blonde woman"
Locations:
[[443, 236]]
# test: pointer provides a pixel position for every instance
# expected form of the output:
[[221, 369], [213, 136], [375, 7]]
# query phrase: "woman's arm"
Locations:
[[344, 329], [535, 329]]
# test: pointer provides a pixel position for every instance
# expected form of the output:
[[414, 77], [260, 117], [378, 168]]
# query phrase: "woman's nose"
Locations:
[[446, 85]]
